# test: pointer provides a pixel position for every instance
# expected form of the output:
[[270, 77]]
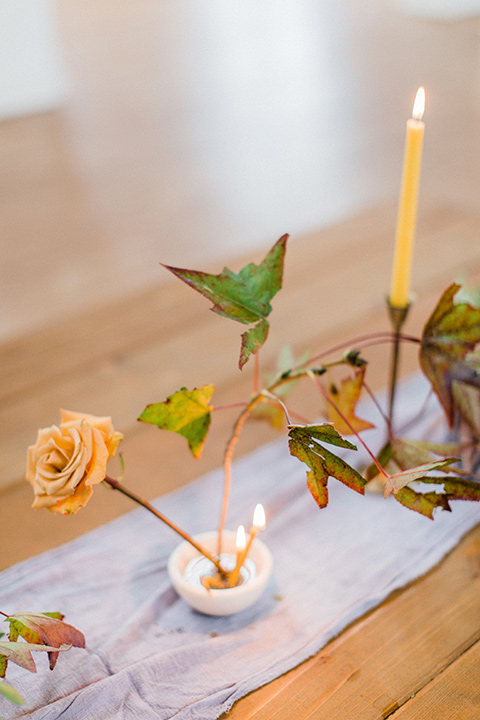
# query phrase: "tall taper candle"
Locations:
[[407, 209]]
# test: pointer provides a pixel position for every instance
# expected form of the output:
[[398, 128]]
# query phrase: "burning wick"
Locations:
[[243, 547]]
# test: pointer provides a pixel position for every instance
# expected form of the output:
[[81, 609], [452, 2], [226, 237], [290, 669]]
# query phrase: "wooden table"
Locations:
[[417, 655]]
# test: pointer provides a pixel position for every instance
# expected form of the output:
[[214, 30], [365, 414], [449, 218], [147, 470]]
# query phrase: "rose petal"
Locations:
[[67, 460]]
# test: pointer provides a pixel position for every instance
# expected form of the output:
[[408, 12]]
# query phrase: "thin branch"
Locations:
[[361, 342], [348, 424], [115, 485], [373, 397], [256, 373], [274, 398]]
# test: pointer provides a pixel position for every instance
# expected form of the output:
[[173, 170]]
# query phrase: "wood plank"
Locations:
[[452, 695], [383, 659]]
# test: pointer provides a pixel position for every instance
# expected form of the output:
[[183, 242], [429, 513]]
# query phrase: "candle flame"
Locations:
[[419, 104], [241, 543], [259, 517]]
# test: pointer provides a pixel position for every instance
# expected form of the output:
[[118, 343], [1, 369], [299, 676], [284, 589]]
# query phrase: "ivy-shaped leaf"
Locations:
[[346, 399], [186, 412], [244, 296], [449, 337], [304, 443]]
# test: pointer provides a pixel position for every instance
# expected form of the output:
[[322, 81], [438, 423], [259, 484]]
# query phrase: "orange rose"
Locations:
[[67, 460]]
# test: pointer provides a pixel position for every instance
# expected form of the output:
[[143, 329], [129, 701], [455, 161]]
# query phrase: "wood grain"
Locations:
[[377, 665], [415, 649]]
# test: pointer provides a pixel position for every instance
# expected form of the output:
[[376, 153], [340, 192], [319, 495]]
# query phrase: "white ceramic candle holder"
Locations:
[[229, 600]]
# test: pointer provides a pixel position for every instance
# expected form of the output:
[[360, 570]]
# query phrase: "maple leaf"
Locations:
[[47, 629], [21, 653], [423, 503], [400, 480], [304, 443], [252, 341], [446, 352], [244, 296], [186, 412], [346, 399]]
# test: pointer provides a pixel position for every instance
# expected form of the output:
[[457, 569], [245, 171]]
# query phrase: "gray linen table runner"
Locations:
[[149, 655]]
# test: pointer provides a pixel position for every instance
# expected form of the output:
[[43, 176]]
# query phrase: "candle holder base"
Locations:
[[397, 316], [225, 601]]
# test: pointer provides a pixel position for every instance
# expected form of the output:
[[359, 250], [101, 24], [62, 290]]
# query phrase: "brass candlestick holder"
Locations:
[[397, 316]]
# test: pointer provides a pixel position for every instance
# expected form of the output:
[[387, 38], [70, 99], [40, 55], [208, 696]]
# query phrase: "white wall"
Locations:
[[32, 76], [440, 9]]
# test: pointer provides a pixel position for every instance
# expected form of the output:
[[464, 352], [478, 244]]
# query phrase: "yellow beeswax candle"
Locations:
[[407, 209]]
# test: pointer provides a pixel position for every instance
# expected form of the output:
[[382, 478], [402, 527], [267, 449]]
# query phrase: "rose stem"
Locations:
[[115, 485]]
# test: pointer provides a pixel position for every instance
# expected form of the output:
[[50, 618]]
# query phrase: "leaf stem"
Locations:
[[361, 342], [349, 425], [256, 373], [379, 408], [274, 398], [115, 485], [227, 462]]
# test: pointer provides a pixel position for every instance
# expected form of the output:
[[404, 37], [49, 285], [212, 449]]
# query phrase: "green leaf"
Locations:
[[11, 694], [323, 433], [244, 296], [449, 337], [3, 665], [317, 476], [456, 488], [186, 412], [304, 444], [423, 503], [252, 341], [399, 480]]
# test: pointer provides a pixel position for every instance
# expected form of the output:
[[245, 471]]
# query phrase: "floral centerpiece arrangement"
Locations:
[[67, 461]]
